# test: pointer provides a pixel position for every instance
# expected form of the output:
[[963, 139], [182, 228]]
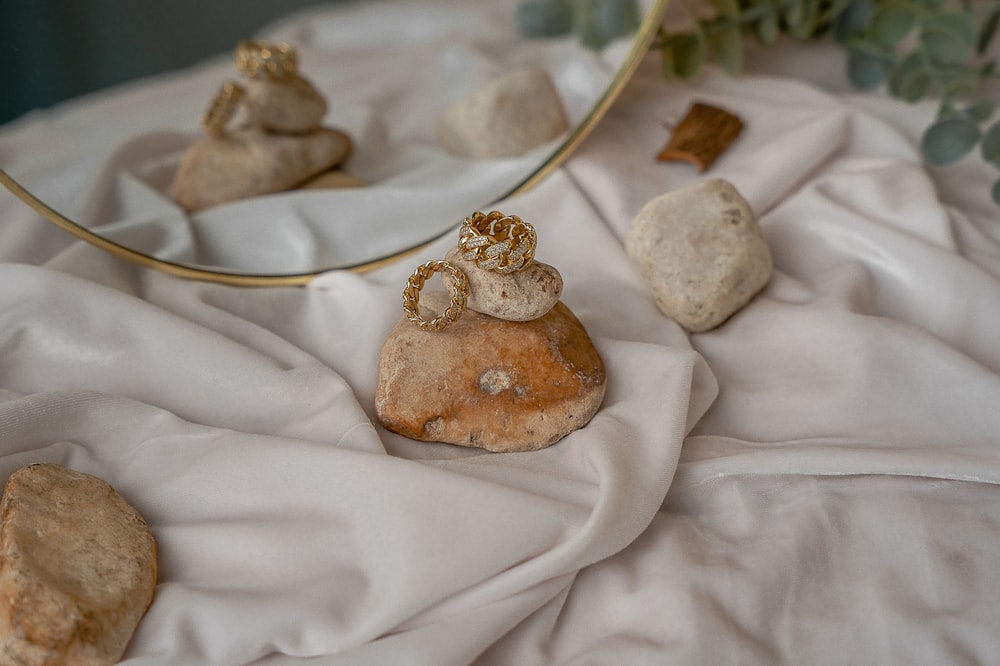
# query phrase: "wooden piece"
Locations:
[[704, 134]]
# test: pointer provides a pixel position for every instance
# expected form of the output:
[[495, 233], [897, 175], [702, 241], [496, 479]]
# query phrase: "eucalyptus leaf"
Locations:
[[598, 22], [981, 110], [727, 7], [987, 30], [947, 37], [766, 29], [802, 18], [990, 145], [852, 20], [949, 139], [728, 45], [891, 23], [683, 55], [909, 79], [544, 18], [865, 69]]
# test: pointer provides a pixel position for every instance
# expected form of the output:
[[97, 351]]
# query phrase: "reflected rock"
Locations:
[[490, 383], [284, 107], [514, 114], [77, 569], [519, 296], [246, 162], [702, 253]]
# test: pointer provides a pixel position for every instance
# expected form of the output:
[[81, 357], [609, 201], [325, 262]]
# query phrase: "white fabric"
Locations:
[[813, 482]]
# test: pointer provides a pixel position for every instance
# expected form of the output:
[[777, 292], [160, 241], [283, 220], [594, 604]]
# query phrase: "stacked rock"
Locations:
[[282, 144], [506, 366]]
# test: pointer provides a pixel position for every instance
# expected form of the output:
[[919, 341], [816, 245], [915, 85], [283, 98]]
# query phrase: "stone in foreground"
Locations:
[[701, 252], [245, 163], [517, 112], [77, 569], [519, 296], [490, 383]]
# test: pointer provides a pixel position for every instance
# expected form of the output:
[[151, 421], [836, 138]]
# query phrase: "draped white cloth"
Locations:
[[813, 482]]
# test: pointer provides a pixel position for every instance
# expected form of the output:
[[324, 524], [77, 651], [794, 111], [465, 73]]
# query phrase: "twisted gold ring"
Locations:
[[273, 60], [459, 292], [504, 243], [222, 108]]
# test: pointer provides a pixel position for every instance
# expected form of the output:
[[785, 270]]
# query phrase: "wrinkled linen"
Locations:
[[815, 481]]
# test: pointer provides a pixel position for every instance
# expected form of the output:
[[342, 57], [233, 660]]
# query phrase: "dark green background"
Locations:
[[57, 49]]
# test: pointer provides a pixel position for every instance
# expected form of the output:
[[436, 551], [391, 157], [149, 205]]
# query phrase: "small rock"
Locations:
[[245, 163], [77, 569], [519, 296], [284, 107], [490, 383], [700, 250], [509, 117]]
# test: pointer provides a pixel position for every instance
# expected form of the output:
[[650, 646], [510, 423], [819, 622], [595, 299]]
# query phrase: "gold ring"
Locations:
[[222, 108], [273, 60], [499, 242], [459, 292]]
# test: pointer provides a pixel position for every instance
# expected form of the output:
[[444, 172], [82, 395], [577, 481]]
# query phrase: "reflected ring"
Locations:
[[272, 60], [459, 294], [504, 243], [222, 108]]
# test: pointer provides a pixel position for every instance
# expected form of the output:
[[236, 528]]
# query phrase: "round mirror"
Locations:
[[397, 77]]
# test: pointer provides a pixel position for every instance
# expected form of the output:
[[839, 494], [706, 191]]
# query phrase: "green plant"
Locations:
[[917, 48], [594, 22]]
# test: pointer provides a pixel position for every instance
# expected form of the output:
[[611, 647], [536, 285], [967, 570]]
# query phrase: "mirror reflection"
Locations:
[[445, 107]]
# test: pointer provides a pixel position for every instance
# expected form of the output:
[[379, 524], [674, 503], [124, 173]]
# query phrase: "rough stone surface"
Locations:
[[519, 296], [490, 383], [701, 252], [284, 107], [246, 162], [77, 569], [509, 117]]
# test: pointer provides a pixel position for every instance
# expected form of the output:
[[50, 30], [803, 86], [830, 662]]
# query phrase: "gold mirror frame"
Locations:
[[640, 46]]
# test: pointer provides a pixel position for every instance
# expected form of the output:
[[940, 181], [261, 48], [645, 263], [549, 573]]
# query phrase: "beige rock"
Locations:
[[245, 163], [508, 117], [490, 383], [519, 296], [335, 179], [77, 569], [284, 107], [701, 252]]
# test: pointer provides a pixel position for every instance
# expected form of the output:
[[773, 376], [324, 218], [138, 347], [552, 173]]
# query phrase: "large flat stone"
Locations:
[[490, 383]]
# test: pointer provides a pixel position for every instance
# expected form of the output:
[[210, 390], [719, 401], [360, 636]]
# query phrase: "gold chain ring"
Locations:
[[222, 108], [459, 293], [504, 243], [272, 60]]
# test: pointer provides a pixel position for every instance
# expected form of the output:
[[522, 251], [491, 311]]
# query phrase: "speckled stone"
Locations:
[[701, 252], [284, 107], [508, 117], [77, 569], [490, 383], [519, 296], [246, 162]]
